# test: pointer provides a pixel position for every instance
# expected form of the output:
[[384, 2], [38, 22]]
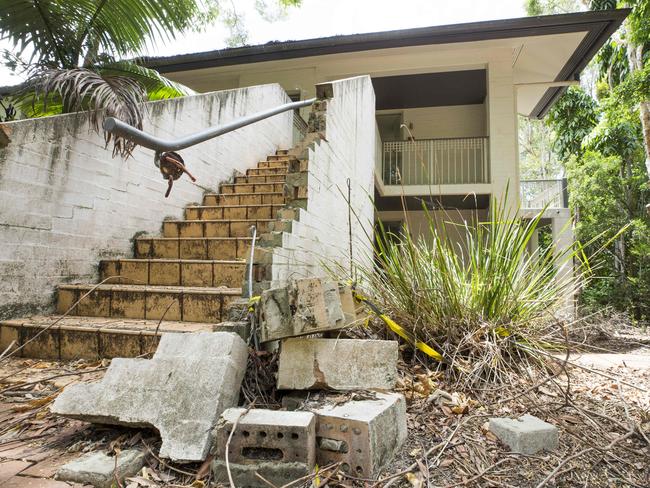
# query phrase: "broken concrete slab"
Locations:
[[363, 433], [525, 435], [101, 470], [278, 445], [339, 364], [305, 306], [181, 391]]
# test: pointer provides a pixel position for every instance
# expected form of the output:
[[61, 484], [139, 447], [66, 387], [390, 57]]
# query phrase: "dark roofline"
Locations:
[[466, 32], [600, 25]]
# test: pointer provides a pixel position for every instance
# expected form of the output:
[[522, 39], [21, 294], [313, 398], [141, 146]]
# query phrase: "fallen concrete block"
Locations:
[[278, 445], [525, 435], [339, 364], [362, 434], [241, 328], [181, 391], [102, 470], [305, 306]]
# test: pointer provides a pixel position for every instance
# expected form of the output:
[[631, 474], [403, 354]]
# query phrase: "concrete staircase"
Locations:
[[182, 281]]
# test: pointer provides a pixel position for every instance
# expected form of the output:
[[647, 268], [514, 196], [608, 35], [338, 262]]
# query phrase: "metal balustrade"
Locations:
[[436, 161], [544, 192]]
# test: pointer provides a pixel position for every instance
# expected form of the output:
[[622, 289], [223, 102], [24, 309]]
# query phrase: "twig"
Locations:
[[582, 453], [78, 373], [478, 476], [232, 432]]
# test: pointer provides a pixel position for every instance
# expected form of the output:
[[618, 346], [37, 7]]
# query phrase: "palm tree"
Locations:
[[74, 53]]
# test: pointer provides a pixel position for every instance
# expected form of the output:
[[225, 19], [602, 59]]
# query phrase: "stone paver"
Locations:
[[181, 391], [10, 468], [102, 470], [525, 435], [339, 364]]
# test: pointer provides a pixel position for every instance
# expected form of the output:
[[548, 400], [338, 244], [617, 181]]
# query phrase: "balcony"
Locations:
[[422, 162], [551, 193]]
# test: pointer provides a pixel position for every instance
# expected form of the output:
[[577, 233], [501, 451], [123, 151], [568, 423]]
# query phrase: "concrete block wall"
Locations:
[[320, 237], [65, 202]]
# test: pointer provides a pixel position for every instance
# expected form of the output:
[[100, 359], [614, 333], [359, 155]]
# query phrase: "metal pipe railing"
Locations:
[[119, 128]]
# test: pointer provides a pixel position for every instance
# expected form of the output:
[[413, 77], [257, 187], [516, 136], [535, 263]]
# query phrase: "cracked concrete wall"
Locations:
[[65, 202], [320, 237]]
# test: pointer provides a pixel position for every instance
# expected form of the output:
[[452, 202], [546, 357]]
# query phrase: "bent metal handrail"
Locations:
[[169, 162], [119, 128]]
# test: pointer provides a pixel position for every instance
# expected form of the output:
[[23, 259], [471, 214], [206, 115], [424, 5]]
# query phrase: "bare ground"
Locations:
[[602, 412]]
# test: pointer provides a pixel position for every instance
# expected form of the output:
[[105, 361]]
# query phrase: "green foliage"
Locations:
[[477, 300], [603, 4], [572, 118], [537, 160], [548, 7], [606, 195]]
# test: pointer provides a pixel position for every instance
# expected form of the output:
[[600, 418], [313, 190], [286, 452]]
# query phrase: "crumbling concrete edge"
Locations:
[[295, 191]]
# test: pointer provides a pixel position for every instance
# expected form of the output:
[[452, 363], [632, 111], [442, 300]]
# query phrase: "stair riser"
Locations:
[[261, 212], [64, 344], [205, 274], [190, 307], [266, 172], [192, 248], [258, 187], [283, 162], [260, 179], [281, 152], [235, 229], [244, 199]]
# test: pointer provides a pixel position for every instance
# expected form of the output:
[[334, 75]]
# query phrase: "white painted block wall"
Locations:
[[320, 238], [65, 202]]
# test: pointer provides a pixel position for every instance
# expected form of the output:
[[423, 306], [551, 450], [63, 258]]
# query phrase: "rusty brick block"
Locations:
[[363, 434], [281, 446]]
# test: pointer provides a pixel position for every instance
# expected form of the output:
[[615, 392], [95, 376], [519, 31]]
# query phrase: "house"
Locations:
[[447, 99], [426, 116]]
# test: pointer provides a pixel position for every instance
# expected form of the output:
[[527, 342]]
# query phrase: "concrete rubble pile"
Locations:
[[337, 405]]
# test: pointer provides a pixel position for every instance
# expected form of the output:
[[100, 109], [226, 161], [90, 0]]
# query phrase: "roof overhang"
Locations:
[[577, 35]]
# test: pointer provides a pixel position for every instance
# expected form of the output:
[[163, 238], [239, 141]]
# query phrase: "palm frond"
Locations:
[[157, 86], [59, 33], [101, 95]]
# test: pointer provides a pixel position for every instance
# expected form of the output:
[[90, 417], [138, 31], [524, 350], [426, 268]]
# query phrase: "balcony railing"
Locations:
[[436, 161], [544, 192]]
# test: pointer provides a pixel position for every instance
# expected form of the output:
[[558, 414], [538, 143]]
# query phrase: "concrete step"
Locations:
[[282, 152], [255, 179], [282, 162], [214, 248], [74, 337], [174, 272], [214, 228], [266, 171], [229, 212], [260, 187], [267, 198], [189, 304]]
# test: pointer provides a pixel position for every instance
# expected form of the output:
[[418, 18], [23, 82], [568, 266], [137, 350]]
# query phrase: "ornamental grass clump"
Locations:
[[483, 300]]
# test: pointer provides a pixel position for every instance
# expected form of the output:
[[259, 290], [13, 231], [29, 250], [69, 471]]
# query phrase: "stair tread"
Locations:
[[109, 323], [250, 205], [182, 261], [248, 194], [219, 220], [155, 289]]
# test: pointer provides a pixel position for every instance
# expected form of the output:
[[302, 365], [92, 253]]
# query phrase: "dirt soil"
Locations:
[[600, 403]]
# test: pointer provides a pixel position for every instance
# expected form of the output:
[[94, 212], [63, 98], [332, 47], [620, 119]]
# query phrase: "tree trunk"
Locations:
[[635, 59]]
